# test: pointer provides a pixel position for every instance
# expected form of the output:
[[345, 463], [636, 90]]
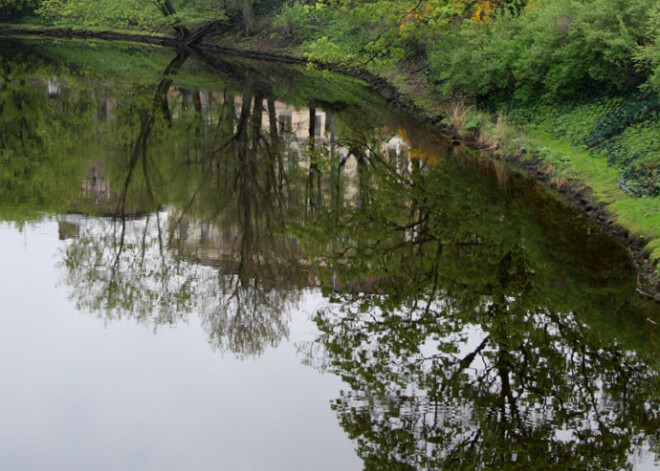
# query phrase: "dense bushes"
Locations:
[[293, 20], [326, 34], [547, 49], [625, 129], [16, 9], [555, 48], [636, 151], [99, 13], [111, 13], [587, 71], [649, 53]]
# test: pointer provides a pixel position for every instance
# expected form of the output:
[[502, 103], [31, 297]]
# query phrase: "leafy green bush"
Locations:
[[634, 109], [325, 34], [127, 13], [555, 48], [293, 21], [574, 122], [323, 50], [648, 54], [624, 128], [99, 13], [637, 152], [16, 9]]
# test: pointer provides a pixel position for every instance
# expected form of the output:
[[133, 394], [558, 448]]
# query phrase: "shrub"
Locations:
[[555, 48], [293, 21], [648, 55]]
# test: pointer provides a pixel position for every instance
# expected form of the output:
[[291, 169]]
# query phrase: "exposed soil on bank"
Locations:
[[577, 193]]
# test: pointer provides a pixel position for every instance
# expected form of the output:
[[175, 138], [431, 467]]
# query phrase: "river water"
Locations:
[[209, 263]]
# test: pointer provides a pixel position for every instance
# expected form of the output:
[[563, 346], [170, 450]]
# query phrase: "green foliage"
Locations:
[[648, 55], [637, 152], [322, 50], [624, 128], [127, 13], [195, 12], [556, 48], [318, 27], [100, 13], [591, 122], [293, 21], [17, 8], [35, 131], [19, 5]]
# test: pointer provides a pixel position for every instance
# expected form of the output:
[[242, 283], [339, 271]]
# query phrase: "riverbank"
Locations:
[[107, 34], [579, 175]]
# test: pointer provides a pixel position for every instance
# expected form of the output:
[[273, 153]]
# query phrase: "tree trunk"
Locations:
[[248, 17], [276, 145], [314, 181], [168, 10]]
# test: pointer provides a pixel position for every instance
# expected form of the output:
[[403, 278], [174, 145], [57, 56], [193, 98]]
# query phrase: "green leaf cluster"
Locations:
[[141, 14], [346, 32], [648, 55], [555, 48], [17, 8], [99, 13]]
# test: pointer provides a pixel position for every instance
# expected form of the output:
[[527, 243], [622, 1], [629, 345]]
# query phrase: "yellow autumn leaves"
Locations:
[[478, 11]]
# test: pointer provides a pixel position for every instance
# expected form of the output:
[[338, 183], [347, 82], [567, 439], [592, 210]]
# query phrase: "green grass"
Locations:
[[639, 215], [38, 28], [570, 163], [625, 128]]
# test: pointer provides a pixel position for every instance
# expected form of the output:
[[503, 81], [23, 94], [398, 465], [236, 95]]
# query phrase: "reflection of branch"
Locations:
[[469, 358], [436, 277], [184, 211], [139, 146], [120, 249], [459, 449], [161, 249], [144, 241]]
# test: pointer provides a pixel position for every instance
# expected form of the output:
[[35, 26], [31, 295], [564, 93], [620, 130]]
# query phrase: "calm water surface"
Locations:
[[208, 263]]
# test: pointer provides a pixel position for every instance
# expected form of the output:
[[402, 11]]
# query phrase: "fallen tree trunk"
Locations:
[[168, 10]]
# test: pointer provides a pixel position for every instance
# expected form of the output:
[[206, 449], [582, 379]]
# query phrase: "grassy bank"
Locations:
[[574, 164]]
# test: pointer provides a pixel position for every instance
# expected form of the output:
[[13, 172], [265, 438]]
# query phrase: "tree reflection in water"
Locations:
[[207, 189], [220, 249], [466, 344]]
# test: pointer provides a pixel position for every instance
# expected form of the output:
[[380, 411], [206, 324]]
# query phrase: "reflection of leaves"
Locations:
[[34, 130], [149, 269], [501, 400], [247, 319], [124, 269], [469, 325], [455, 343]]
